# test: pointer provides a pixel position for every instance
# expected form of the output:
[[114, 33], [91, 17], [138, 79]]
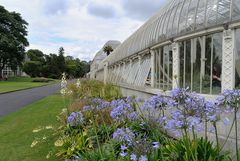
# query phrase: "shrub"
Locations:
[[41, 79]]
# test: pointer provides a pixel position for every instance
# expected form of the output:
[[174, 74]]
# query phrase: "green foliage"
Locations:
[[13, 32], [108, 49], [35, 55], [190, 150], [32, 68], [42, 79], [53, 65], [74, 145], [94, 89]]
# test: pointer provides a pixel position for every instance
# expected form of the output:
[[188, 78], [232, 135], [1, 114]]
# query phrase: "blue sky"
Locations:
[[81, 26]]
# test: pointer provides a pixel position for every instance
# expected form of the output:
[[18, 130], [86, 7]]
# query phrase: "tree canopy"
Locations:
[[107, 49], [53, 65], [13, 32]]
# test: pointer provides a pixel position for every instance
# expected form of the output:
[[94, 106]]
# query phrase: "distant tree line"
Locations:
[[53, 65]]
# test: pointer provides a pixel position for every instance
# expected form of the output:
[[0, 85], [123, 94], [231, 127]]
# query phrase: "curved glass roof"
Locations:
[[176, 18]]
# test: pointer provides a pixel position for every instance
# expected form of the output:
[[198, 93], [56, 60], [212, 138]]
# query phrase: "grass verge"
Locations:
[[16, 130], [20, 83]]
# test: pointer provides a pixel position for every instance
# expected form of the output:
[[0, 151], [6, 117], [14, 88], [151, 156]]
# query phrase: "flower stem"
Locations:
[[236, 132], [216, 135]]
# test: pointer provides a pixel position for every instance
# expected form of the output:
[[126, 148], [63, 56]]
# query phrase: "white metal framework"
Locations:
[[188, 43]]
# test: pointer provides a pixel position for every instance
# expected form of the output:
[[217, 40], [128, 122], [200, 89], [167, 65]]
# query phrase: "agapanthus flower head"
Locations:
[[158, 102], [123, 152], [87, 108], [212, 111], [133, 157], [99, 103], [75, 118], [133, 116], [125, 136], [143, 158], [179, 93], [229, 98], [123, 110]]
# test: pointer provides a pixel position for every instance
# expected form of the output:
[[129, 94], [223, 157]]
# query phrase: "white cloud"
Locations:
[[68, 23]]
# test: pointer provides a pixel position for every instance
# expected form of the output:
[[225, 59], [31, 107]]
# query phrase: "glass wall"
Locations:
[[200, 64], [163, 68], [237, 58]]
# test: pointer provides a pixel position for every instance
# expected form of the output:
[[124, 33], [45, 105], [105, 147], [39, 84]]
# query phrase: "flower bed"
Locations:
[[161, 128]]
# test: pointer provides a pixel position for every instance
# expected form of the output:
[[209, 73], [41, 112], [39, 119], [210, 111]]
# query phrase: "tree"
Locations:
[[33, 68], [35, 65], [107, 49], [35, 55], [61, 60], [13, 32]]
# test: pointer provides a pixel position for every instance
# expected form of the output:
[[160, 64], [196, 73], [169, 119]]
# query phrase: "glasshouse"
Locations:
[[188, 43]]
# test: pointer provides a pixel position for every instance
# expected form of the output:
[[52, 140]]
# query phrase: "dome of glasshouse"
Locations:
[[187, 43], [101, 55]]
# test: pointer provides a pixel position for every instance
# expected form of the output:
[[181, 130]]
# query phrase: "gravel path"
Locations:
[[10, 102]]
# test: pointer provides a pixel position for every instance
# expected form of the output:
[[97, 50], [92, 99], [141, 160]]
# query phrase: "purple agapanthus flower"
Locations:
[[158, 102], [143, 158], [75, 118], [124, 136], [99, 103], [133, 157], [123, 109]]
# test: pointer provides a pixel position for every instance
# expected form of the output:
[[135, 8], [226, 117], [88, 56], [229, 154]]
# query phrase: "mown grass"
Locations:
[[16, 130], [19, 83]]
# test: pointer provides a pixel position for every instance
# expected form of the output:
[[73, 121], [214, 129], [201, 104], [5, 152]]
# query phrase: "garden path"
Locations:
[[10, 102]]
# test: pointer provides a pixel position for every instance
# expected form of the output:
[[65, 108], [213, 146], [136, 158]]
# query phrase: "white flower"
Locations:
[[34, 143], [49, 154], [59, 142], [63, 82], [37, 130], [63, 91], [78, 83], [49, 127]]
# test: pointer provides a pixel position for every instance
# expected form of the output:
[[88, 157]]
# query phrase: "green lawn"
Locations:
[[18, 83], [16, 130]]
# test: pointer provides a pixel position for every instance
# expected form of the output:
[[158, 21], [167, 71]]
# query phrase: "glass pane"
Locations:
[[165, 67], [236, 10], [176, 19], [187, 64], [200, 17], [170, 22], [191, 15], [183, 17], [217, 63], [237, 59], [161, 78], [208, 67], [211, 12], [196, 64], [213, 64], [157, 69], [223, 11], [182, 63], [170, 65]]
